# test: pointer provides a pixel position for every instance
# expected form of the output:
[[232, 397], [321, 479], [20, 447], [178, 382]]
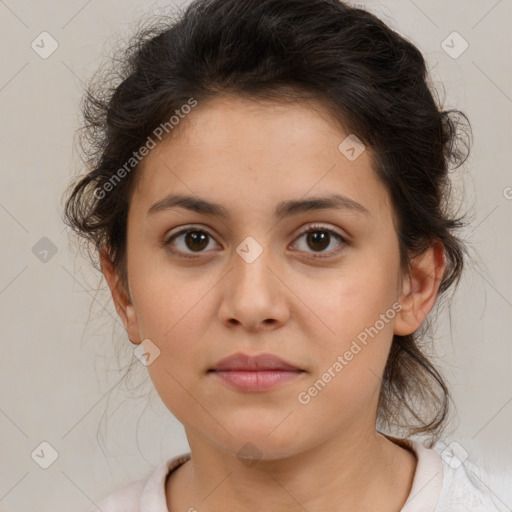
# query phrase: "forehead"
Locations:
[[235, 147]]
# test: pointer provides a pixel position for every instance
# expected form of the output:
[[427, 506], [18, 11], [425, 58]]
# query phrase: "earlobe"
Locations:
[[132, 326], [122, 301], [420, 289]]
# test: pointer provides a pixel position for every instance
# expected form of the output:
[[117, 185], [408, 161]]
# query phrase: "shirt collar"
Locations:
[[153, 496], [428, 478]]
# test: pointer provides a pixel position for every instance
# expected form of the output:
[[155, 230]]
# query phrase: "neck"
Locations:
[[364, 471]]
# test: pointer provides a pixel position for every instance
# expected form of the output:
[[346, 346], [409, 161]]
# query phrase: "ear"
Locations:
[[120, 296], [420, 288]]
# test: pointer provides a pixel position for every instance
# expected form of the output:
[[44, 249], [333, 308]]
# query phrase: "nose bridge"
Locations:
[[252, 260], [251, 297]]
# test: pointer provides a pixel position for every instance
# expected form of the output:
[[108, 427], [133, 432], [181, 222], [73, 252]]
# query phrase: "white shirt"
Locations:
[[438, 486]]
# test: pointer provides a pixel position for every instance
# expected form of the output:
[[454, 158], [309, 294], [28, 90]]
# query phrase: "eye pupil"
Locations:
[[315, 237], [196, 236]]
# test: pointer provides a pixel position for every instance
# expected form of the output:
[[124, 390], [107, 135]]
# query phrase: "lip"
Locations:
[[246, 362], [259, 373]]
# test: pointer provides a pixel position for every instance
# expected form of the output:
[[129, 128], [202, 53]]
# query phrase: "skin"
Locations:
[[248, 156]]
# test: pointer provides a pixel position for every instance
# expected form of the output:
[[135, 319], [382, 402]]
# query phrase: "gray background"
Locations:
[[64, 352]]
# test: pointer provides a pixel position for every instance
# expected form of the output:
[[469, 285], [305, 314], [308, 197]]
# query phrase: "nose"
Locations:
[[254, 294]]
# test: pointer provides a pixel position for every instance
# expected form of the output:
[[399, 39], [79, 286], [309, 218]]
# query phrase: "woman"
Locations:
[[298, 146]]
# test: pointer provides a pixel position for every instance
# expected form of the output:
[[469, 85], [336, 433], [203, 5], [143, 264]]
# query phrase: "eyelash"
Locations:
[[311, 229]]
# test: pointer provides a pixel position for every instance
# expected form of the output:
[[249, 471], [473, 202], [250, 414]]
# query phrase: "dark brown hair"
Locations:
[[374, 82]]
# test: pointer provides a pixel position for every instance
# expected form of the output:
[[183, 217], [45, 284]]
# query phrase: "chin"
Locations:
[[260, 443]]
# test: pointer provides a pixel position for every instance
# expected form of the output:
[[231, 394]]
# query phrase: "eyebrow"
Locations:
[[282, 210]]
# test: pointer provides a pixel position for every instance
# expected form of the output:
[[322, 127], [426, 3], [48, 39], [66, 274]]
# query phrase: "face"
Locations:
[[204, 286]]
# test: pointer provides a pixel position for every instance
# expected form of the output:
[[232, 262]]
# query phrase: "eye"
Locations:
[[320, 237], [195, 239]]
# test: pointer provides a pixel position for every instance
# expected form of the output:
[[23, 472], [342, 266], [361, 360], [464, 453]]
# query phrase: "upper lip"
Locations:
[[245, 362]]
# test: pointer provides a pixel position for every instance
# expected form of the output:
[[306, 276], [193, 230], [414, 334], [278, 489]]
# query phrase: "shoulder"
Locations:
[[465, 485], [126, 499], [446, 480], [146, 495]]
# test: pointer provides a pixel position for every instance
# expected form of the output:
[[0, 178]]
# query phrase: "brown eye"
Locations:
[[189, 241], [195, 240], [318, 239]]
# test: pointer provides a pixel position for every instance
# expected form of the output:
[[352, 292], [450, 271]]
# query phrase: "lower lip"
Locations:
[[256, 381]]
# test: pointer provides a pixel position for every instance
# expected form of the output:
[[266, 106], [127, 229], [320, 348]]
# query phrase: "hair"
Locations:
[[374, 83]]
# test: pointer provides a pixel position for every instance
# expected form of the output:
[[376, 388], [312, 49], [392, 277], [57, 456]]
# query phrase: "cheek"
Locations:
[[357, 317], [347, 300], [350, 360], [174, 322], [170, 300]]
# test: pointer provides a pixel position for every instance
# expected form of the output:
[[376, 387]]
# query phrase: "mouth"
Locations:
[[255, 373]]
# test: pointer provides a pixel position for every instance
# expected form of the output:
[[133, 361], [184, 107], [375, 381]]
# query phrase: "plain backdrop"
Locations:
[[64, 352]]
